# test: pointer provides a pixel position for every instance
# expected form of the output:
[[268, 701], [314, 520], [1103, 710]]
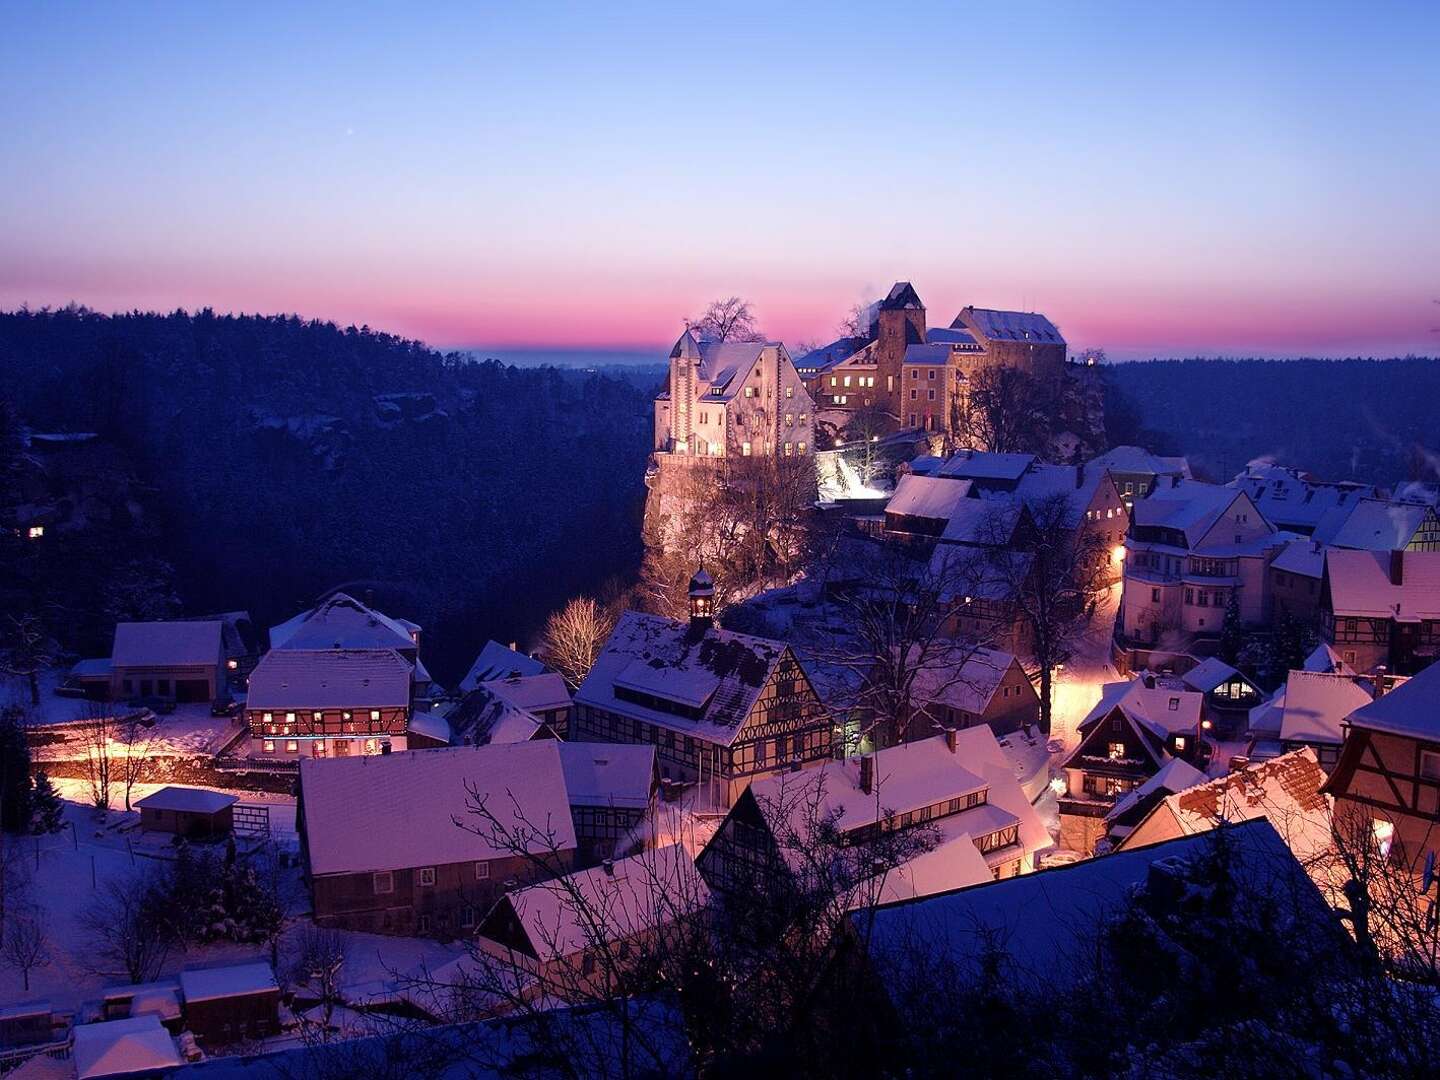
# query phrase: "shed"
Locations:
[[231, 1004], [190, 812]]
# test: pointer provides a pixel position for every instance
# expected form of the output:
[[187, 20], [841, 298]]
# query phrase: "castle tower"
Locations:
[[900, 322], [702, 603]]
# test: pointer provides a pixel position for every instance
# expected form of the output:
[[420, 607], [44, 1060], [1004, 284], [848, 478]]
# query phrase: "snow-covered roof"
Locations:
[[497, 662], [1411, 708], [483, 718], [968, 686], [535, 693], [1304, 558], [136, 1044], [929, 497], [1289, 497], [608, 774], [1177, 774], [187, 800], [828, 356], [1372, 525], [1208, 674], [432, 725], [1286, 790], [330, 679], [1324, 658], [408, 803], [1046, 921], [982, 522], [979, 465], [997, 325], [928, 355], [232, 980], [984, 574], [166, 644], [1316, 703], [713, 679], [1158, 710], [949, 335], [1361, 585], [342, 622], [1190, 506], [1134, 459], [633, 896], [94, 668]]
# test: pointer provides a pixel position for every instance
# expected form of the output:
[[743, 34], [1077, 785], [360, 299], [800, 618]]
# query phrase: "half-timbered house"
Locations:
[[1389, 769], [1382, 608], [328, 703], [721, 708]]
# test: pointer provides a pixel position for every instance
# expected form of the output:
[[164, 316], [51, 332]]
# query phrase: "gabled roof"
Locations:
[[633, 896], [968, 686], [608, 774], [187, 800], [1291, 497], [1134, 459], [205, 984], [536, 693], [496, 662], [342, 622], [330, 679], [1046, 921], [1360, 584], [1158, 711], [166, 644], [930, 355], [409, 802], [483, 718], [719, 674], [1412, 708], [983, 522], [997, 325], [1210, 673], [901, 295], [138, 1044], [1191, 507], [1372, 525], [1303, 558], [931, 497], [1315, 704], [837, 352], [979, 465], [949, 335], [1177, 774], [1326, 659]]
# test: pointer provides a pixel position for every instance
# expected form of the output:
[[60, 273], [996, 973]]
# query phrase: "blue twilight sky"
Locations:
[[1159, 178]]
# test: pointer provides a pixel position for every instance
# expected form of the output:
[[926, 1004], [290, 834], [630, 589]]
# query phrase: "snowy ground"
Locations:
[[189, 730], [67, 870]]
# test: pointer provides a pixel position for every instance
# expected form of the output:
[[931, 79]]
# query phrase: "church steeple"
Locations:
[[702, 602]]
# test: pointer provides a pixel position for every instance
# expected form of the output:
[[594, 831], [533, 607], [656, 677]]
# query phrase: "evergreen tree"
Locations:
[[14, 773], [1232, 631], [47, 812]]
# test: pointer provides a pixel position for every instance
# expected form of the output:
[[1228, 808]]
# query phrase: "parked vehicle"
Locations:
[[224, 705]]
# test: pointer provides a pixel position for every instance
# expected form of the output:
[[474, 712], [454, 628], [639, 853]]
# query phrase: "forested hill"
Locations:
[[288, 457], [1363, 419]]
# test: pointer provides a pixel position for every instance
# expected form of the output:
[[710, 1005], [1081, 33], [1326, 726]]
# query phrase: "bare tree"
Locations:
[[97, 734], [905, 634], [730, 319], [26, 944], [1003, 410], [26, 649], [135, 742], [1053, 586], [574, 636], [317, 966], [857, 322], [128, 928]]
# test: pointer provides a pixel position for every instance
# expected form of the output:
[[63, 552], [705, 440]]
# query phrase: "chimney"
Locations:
[[1382, 681], [1149, 681], [1397, 567], [867, 773], [609, 865], [952, 739]]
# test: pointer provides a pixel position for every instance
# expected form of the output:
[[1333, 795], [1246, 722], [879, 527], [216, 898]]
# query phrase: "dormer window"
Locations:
[[1174, 704], [1179, 744]]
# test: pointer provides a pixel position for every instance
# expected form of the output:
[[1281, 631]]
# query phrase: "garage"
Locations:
[[192, 690]]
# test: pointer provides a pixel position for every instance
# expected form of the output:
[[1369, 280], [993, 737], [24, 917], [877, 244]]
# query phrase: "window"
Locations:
[[1154, 596], [932, 395], [1117, 751], [789, 391], [269, 746], [374, 714], [292, 746], [1430, 765], [912, 416], [482, 871], [268, 716], [931, 374], [845, 381], [1174, 704], [801, 447], [789, 419], [914, 394], [1179, 744], [745, 449], [789, 449], [802, 418], [35, 532], [422, 924], [467, 916], [289, 717], [833, 381], [914, 374], [749, 391], [384, 882], [427, 875], [1384, 835]]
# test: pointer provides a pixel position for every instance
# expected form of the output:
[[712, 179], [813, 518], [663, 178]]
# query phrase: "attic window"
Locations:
[[1117, 751], [1174, 704]]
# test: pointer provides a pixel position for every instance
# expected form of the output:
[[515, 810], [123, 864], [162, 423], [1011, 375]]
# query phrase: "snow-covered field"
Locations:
[[68, 869]]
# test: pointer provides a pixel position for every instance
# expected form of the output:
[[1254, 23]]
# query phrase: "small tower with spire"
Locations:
[[702, 602]]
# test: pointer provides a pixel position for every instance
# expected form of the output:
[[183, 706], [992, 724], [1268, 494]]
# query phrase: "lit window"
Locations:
[[789, 391], [1384, 835], [1117, 751], [846, 381], [1180, 743], [789, 449], [745, 449], [374, 714], [482, 871], [833, 381], [35, 532], [289, 717], [801, 447], [427, 875], [789, 418], [749, 391], [292, 746], [802, 418], [384, 882], [269, 717], [269, 746]]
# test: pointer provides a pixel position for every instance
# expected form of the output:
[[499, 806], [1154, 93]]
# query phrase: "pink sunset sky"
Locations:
[[1158, 181]]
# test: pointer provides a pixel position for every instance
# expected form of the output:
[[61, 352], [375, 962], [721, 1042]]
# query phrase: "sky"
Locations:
[[1160, 179]]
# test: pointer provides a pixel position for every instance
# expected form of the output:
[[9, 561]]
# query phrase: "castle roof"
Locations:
[[996, 325]]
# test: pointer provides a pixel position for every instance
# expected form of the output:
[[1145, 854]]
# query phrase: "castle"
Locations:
[[914, 373]]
